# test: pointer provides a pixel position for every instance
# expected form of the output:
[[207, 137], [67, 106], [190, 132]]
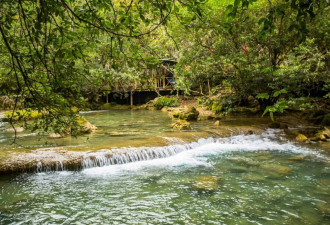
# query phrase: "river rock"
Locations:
[[88, 128], [217, 123], [322, 135], [238, 169], [54, 135], [181, 125], [253, 177], [297, 158], [301, 138], [206, 183], [276, 171], [189, 114]]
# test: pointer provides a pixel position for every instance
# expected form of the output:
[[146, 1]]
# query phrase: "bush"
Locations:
[[217, 107], [165, 102]]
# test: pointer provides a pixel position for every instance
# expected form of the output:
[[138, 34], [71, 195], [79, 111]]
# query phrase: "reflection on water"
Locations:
[[255, 179], [115, 128]]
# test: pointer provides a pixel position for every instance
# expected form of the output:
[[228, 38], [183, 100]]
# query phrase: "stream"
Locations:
[[167, 177]]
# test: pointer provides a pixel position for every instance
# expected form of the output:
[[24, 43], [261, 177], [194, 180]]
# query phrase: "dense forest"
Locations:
[[164, 112], [63, 55]]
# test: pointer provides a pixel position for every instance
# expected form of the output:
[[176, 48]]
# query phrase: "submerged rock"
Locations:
[[238, 169], [206, 183], [253, 177], [298, 158], [276, 171], [324, 207]]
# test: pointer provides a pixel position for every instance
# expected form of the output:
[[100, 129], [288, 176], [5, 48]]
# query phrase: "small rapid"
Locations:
[[175, 154], [192, 154]]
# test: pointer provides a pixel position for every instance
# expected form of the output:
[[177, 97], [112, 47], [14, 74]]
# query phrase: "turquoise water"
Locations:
[[254, 179]]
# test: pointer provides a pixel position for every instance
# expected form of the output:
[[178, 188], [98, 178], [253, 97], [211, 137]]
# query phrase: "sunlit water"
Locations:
[[116, 128], [257, 179]]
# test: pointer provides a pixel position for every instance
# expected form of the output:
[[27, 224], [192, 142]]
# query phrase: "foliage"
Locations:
[[162, 102], [55, 55], [21, 115]]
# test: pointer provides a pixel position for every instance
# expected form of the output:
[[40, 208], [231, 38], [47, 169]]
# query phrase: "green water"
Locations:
[[242, 179], [257, 179], [116, 128]]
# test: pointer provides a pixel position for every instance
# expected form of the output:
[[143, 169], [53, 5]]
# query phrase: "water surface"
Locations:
[[257, 179]]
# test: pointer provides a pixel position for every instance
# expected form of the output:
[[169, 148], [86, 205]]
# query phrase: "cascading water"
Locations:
[[189, 152], [128, 155]]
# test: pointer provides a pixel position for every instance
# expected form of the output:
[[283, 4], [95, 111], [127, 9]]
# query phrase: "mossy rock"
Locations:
[[322, 135], [181, 125], [206, 183], [191, 114], [301, 138], [162, 102]]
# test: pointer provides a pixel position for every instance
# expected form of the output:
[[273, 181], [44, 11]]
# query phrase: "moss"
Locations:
[[217, 107], [190, 114], [20, 115], [181, 125], [165, 102]]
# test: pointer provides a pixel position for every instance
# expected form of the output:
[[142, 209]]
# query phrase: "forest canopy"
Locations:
[[60, 55]]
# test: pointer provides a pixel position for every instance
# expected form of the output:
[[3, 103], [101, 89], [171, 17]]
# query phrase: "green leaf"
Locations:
[[263, 96]]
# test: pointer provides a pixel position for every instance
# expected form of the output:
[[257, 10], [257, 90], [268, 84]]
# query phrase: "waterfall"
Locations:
[[128, 155]]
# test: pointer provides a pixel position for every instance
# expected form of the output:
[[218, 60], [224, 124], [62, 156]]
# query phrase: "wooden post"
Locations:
[[107, 97], [155, 80], [131, 96], [163, 76]]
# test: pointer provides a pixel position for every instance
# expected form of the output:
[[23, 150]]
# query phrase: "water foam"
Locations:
[[193, 154]]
